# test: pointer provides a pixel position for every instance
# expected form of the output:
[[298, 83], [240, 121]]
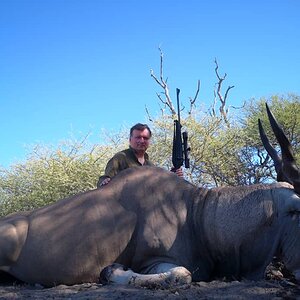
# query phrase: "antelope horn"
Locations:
[[272, 152], [289, 166]]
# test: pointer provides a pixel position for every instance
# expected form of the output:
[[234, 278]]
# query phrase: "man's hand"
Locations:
[[178, 172], [105, 181]]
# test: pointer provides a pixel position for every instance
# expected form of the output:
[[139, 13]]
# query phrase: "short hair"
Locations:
[[140, 127]]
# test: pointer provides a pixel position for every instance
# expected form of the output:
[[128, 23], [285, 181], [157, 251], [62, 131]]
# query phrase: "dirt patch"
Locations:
[[265, 289], [279, 284]]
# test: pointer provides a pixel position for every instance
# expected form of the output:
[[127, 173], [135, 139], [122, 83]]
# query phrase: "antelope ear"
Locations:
[[290, 200], [297, 275], [294, 215]]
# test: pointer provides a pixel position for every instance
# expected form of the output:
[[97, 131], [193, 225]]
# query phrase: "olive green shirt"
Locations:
[[120, 161]]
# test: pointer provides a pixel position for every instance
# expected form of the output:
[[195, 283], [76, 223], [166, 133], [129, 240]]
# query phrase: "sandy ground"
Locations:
[[278, 284], [265, 289]]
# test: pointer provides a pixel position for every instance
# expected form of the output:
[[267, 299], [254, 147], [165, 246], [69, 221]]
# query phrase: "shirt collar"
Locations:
[[146, 156]]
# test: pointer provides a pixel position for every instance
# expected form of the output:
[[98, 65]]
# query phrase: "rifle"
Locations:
[[181, 149]]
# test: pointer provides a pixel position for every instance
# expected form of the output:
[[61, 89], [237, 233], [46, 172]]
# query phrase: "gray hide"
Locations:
[[147, 216]]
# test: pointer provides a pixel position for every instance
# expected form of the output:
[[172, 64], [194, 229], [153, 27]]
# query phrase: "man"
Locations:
[[135, 155]]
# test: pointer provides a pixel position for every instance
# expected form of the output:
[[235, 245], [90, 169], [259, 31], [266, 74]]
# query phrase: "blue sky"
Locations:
[[70, 66]]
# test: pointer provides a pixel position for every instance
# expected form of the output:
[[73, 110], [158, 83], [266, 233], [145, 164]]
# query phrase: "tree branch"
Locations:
[[163, 84], [217, 93], [193, 100]]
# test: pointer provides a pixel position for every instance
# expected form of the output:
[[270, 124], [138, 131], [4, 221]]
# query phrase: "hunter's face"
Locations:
[[140, 140]]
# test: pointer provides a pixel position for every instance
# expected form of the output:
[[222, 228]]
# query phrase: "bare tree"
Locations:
[[193, 100], [164, 85], [164, 97], [218, 96]]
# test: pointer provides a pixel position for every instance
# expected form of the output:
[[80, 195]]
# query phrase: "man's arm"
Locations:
[[112, 168]]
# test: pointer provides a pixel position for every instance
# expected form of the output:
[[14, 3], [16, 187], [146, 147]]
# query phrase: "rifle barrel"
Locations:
[[178, 108]]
